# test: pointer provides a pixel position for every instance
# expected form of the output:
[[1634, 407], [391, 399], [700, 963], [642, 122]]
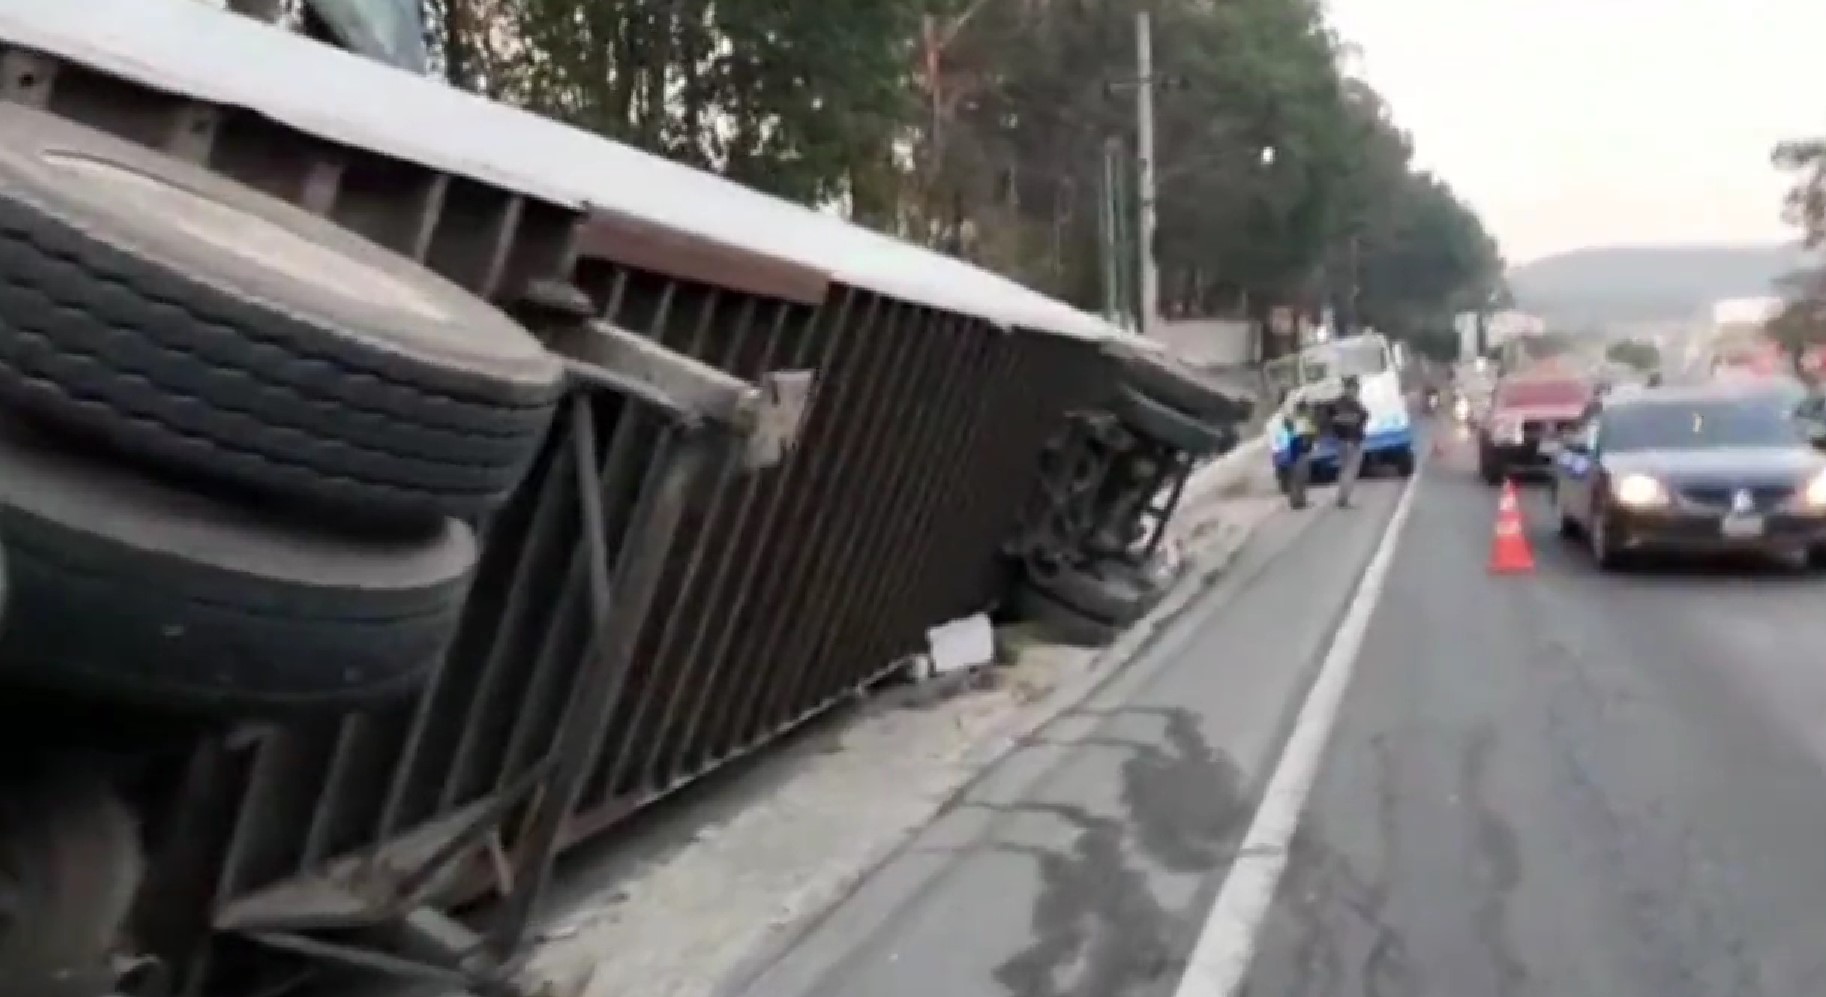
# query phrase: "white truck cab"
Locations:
[[1317, 374]]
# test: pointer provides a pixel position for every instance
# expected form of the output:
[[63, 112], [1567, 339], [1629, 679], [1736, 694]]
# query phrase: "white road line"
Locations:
[[1226, 944]]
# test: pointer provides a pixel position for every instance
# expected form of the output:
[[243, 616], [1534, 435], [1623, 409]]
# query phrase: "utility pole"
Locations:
[[1125, 259], [1144, 151]]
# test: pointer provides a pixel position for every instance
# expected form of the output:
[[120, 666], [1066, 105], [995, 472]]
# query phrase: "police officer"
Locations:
[[1302, 437], [1346, 425]]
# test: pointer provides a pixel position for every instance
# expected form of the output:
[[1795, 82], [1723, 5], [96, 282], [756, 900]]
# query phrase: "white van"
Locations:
[[1318, 373]]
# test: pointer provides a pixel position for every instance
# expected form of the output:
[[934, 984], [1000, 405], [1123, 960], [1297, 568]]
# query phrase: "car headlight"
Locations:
[[1815, 492], [1638, 491]]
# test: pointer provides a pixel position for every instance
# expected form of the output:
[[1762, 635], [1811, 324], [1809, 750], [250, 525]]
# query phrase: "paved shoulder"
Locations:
[[1082, 864]]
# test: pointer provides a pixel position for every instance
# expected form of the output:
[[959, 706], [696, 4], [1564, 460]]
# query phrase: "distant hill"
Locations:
[[1638, 284]]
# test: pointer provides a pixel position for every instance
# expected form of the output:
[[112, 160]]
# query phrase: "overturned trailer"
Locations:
[[786, 446]]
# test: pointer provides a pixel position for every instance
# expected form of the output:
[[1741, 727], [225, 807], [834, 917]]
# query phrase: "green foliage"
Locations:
[[999, 154], [1805, 204], [1801, 325], [1643, 356], [1436, 343]]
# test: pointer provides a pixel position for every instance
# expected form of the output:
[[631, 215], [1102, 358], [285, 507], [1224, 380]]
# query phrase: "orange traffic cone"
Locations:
[[1509, 554]]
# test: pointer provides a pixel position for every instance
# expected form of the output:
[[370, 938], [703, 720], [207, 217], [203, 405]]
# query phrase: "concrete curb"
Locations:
[[1142, 649], [1226, 471], [1201, 572], [1192, 593]]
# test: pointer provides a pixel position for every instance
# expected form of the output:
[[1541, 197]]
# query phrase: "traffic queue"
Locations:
[[1726, 466]]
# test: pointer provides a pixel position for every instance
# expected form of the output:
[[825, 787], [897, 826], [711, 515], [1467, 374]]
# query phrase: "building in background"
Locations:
[[1733, 338], [1505, 327]]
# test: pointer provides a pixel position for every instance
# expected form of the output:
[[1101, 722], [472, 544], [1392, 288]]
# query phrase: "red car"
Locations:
[[1527, 417]]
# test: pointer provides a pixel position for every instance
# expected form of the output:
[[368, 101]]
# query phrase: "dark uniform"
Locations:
[[1347, 423]]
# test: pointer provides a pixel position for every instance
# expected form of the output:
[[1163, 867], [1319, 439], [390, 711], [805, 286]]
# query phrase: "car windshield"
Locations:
[[1345, 358], [1705, 425]]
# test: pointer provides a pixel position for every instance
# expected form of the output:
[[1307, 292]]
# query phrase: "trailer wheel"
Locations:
[[1403, 462], [70, 866], [1166, 425], [1110, 592], [187, 320], [1170, 381], [1060, 622], [128, 590]]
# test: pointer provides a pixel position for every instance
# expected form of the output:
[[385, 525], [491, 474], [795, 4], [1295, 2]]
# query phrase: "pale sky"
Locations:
[[1594, 122]]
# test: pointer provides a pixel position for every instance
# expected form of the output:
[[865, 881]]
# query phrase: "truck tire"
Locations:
[[1103, 593], [70, 867], [1488, 468], [1061, 623], [182, 318], [126, 590], [1403, 463], [1171, 381], [1166, 425], [1603, 553]]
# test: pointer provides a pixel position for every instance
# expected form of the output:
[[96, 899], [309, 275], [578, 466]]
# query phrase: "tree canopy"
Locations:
[[982, 128], [1637, 353], [1801, 324]]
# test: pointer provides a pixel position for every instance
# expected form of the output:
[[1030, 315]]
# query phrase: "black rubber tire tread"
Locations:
[[70, 867], [1149, 583], [1164, 425], [166, 345], [1489, 470], [129, 591], [1605, 556], [1061, 623], [1103, 594], [1404, 464], [1176, 384]]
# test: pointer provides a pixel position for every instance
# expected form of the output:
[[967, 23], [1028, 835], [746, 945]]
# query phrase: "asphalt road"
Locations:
[[1569, 784], [1557, 784]]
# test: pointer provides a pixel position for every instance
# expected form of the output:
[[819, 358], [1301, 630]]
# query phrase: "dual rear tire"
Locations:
[[240, 444]]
